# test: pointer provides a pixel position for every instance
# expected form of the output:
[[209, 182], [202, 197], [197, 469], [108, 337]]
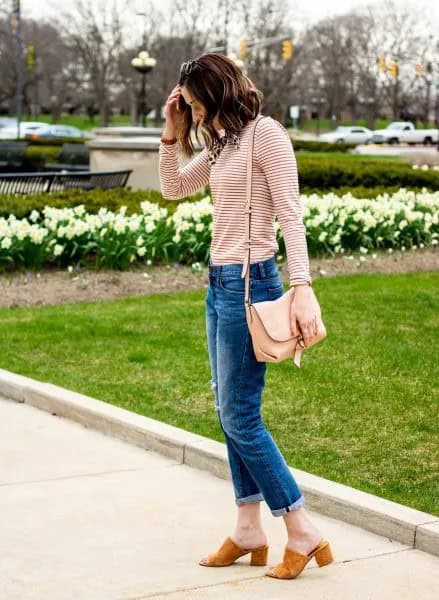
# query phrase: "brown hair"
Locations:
[[221, 87]]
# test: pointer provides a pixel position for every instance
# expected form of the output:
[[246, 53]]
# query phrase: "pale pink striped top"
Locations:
[[275, 192]]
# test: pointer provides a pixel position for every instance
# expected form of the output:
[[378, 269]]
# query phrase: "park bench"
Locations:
[[12, 154], [34, 183], [73, 157]]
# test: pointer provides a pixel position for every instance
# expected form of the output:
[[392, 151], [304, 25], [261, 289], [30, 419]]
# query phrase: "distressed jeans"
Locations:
[[258, 469]]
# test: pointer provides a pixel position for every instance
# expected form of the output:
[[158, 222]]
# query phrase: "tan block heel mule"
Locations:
[[229, 552], [293, 562]]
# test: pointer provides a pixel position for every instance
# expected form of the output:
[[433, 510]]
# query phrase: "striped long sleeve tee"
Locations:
[[275, 193]]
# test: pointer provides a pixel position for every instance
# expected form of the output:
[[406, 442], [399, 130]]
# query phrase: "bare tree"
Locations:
[[329, 51], [170, 38], [397, 32], [7, 58], [83, 61], [94, 32], [53, 79], [273, 75]]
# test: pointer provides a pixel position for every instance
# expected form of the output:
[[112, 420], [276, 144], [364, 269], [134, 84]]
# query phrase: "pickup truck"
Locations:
[[404, 132]]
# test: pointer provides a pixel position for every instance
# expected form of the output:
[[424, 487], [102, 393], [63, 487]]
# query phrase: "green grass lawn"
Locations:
[[82, 121], [362, 410], [353, 157]]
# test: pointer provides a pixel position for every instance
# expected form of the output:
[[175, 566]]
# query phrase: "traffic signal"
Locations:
[[287, 49], [243, 49], [393, 69], [381, 60], [30, 57], [15, 16]]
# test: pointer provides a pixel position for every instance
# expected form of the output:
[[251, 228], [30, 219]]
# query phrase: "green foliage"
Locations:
[[327, 124], [311, 146], [81, 121], [59, 141], [93, 201], [37, 156], [324, 173]]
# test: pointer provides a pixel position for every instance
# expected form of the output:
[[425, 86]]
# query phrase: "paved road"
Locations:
[[84, 516]]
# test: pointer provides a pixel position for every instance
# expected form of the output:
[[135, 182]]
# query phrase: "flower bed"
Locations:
[[334, 224]]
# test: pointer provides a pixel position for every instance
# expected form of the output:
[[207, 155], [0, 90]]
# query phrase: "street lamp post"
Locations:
[[436, 107], [15, 18], [146, 17], [143, 63]]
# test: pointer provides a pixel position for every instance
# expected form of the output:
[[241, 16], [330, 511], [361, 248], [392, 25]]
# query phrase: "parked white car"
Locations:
[[348, 134], [26, 127], [7, 122], [406, 133], [58, 131]]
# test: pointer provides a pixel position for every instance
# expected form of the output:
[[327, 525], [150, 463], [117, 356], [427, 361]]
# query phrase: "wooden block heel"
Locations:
[[229, 552], [293, 562], [259, 557], [324, 556]]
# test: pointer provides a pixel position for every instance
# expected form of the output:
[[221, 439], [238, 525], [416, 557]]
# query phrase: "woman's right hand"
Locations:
[[173, 114]]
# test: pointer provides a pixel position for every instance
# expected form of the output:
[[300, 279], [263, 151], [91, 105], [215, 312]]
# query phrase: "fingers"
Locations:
[[173, 98], [308, 329], [174, 93]]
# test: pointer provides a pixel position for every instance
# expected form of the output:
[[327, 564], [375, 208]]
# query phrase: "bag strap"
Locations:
[[247, 210]]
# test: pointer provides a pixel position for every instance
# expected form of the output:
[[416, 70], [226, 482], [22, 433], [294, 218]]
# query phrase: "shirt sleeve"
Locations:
[[275, 155], [176, 183]]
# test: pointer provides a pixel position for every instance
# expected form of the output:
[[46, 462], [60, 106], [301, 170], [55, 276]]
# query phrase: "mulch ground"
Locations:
[[54, 286]]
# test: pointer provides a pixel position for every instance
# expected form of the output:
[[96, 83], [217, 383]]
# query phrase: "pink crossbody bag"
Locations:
[[269, 322]]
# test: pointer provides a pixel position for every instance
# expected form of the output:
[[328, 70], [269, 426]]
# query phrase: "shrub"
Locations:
[[326, 173], [92, 200], [311, 146]]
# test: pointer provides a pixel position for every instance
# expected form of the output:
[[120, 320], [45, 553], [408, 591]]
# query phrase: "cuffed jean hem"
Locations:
[[278, 512], [249, 499]]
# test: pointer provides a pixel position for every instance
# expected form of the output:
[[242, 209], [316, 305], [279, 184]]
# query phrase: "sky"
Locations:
[[309, 10]]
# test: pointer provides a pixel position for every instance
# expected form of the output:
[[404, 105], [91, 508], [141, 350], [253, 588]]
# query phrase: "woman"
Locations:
[[214, 94]]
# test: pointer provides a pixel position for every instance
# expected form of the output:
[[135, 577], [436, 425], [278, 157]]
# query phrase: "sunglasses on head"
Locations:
[[187, 67]]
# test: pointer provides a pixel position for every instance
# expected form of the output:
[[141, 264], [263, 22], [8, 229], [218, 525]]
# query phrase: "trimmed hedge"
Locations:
[[49, 142], [93, 201], [325, 173], [311, 146], [38, 153]]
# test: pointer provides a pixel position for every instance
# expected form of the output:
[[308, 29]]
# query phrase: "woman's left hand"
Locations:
[[305, 310]]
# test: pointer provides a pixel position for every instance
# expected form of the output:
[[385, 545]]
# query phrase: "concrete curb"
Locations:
[[378, 515]]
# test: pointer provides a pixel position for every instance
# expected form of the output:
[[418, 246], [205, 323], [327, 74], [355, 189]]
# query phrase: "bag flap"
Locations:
[[275, 317]]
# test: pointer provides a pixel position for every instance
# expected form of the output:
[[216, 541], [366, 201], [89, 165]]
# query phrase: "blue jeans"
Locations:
[[258, 469]]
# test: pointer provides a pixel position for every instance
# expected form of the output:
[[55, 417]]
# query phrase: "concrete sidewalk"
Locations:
[[85, 516]]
